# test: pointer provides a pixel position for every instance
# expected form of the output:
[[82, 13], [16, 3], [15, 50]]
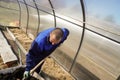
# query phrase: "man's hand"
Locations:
[[26, 74]]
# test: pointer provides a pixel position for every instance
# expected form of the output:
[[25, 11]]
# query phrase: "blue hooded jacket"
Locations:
[[41, 48]]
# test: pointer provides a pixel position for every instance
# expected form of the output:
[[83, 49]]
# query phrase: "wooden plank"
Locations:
[[17, 42], [6, 53], [36, 75]]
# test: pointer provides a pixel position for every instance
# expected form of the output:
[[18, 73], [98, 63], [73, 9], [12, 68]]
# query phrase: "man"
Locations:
[[43, 45]]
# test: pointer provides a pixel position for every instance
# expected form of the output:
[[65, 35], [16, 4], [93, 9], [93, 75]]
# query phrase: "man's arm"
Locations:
[[66, 34], [32, 56]]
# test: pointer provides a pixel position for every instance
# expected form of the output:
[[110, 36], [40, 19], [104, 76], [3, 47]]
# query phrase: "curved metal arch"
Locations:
[[38, 17], [53, 13], [27, 15], [19, 14], [82, 37]]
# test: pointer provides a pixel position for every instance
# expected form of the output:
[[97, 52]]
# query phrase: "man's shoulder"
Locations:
[[40, 38]]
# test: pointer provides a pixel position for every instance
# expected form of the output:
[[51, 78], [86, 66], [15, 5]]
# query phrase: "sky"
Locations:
[[104, 8]]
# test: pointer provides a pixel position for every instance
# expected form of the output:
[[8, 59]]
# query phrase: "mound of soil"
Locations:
[[55, 71]]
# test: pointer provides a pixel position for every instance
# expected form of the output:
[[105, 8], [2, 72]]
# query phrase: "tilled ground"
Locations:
[[50, 67], [22, 37]]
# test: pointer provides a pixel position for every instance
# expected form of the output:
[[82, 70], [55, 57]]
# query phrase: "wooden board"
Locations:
[[6, 53]]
